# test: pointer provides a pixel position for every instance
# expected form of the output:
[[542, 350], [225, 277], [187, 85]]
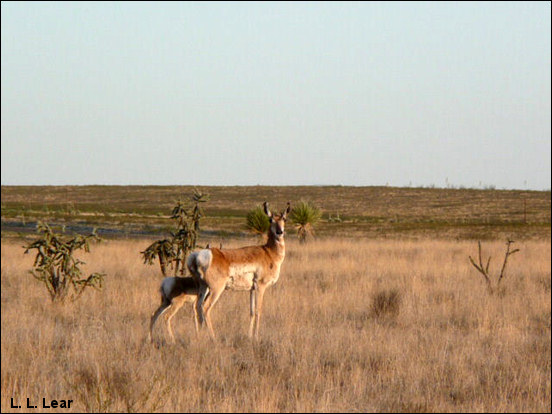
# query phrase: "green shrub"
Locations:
[[304, 216], [257, 221]]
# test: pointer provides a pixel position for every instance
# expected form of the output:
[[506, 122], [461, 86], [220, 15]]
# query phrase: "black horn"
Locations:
[[287, 210], [266, 210]]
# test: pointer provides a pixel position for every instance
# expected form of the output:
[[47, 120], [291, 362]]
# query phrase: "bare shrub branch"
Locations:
[[484, 270]]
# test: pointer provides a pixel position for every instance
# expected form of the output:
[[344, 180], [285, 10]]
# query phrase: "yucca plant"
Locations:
[[257, 221], [304, 216]]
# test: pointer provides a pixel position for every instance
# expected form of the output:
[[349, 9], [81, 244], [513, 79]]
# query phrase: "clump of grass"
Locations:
[[386, 303]]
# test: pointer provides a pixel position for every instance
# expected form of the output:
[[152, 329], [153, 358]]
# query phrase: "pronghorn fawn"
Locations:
[[251, 268], [175, 292]]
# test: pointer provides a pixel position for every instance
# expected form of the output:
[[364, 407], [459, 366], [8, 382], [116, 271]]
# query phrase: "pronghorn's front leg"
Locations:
[[252, 306], [258, 308]]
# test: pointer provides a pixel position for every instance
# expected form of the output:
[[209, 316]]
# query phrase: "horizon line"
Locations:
[[484, 187]]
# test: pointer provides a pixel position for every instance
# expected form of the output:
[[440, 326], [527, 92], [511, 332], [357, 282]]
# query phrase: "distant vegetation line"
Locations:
[[346, 211]]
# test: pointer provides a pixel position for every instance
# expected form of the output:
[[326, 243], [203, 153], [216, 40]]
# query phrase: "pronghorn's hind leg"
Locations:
[[173, 309], [196, 316], [201, 297], [165, 304], [210, 301]]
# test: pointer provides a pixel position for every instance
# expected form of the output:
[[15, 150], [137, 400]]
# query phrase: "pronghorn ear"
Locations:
[[287, 210], [266, 210]]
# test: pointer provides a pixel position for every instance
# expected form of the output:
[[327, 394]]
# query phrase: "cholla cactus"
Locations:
[[56, 267], [164, 250], [173, 252]]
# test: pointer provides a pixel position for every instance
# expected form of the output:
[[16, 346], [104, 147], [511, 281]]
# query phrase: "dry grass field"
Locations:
[[352, 325]]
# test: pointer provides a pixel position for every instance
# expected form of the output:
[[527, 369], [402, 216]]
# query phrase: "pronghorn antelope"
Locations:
[[175, 292], [252, 268]]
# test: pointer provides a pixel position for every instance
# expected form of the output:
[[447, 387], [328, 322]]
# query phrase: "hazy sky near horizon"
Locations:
[[276, 93]]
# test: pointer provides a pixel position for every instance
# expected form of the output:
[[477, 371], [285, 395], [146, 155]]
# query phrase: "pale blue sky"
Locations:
[[277, 93]]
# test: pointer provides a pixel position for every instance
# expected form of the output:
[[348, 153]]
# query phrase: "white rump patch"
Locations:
[[199, 262], [167, 285], [204, 259]]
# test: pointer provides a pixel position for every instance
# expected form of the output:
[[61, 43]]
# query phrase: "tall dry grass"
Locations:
[[350, 326]]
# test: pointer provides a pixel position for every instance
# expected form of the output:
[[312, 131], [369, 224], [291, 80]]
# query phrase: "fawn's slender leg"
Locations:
[[174, 308], [164, 306]]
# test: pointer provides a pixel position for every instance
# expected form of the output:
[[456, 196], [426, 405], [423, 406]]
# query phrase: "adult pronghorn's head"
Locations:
[[277, 222]]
